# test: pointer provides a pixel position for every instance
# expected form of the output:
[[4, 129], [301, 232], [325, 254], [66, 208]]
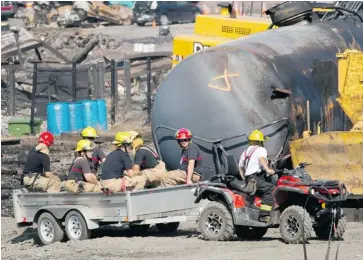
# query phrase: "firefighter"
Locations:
[[98, 155], [37, 173], [80, 177], [190, 169], [147, 162], [253, 164], [117, 171]]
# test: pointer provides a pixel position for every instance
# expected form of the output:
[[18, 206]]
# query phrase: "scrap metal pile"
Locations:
[[78, 13]]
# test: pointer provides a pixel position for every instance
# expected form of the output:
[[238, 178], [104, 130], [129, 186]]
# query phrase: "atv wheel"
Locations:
[[323, 231], [292, 221], [216, 222], [250, 233]]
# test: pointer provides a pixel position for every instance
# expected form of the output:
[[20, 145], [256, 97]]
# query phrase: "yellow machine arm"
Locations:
[[338, 155]]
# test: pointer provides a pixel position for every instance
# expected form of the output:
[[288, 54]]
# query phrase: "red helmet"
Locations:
[[46, 138], [183, 133]]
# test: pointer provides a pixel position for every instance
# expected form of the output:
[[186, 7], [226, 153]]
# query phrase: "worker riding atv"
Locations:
[[301, 205]]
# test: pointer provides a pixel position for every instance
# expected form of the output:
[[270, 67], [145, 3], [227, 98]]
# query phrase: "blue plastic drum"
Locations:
[[58, 117], [102, 114], [90, 113], [76, 120]]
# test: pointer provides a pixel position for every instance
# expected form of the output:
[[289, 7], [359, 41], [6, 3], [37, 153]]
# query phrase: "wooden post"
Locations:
[[127, 83], [12, 93], [114, 92], [94, 75], [34, 92], [101, 79], [74, 81]]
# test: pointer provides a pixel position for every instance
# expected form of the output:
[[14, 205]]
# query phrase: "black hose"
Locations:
[[345, 9]]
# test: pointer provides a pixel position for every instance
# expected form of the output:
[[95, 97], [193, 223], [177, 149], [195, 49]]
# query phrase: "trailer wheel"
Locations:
[[76, 227], [49, 229], [168, 227], [216, 223], [292, 221]]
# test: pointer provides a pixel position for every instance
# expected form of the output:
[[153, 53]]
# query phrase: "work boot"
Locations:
[[265, 211]]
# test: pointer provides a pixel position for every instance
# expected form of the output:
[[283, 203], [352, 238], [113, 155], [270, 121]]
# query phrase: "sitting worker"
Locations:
[[80, 177], [147, 162], [253, 164], [98, 155], [190, 170], [117, 173], [36, 173]]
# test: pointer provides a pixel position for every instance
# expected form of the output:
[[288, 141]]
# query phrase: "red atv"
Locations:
[[301, 206]]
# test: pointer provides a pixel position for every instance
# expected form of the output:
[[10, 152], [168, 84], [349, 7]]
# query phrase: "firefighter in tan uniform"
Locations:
[[80, 177], [117, 171], [147, 162], [190, 169], [98, 155], [36, 173]]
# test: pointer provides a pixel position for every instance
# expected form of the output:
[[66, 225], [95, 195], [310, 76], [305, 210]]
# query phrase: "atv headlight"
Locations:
[[312, 191]]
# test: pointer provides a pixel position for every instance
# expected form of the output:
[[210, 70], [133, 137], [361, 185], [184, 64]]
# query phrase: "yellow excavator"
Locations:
[[338, 155]]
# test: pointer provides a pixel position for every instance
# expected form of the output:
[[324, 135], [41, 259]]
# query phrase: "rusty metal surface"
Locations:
[[226, 90], [333, 155]]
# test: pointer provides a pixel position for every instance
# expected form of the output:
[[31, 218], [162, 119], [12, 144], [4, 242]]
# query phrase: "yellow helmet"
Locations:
[[136, 139], [257, 135], [84, 145], [122, 138], [89, 132]]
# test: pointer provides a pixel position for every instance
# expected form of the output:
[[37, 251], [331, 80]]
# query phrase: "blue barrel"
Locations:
[[90, 113], [102, 114], [76, 120], [58, 117]]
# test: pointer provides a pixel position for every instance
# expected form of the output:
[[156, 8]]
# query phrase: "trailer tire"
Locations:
[[76, 226], [168, 227], [49, 229], [216, 216]]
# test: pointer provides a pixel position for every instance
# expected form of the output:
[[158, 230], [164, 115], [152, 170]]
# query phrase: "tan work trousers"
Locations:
[[125, 183], [154, 175], [43, 183], [177, 177], [72, 186]]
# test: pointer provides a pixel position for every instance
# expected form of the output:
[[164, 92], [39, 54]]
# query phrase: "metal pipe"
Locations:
[[149, 89], [308, 114], [113, 90]]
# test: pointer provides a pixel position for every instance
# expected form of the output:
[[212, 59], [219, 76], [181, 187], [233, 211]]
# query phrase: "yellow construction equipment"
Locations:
[[211, 30], [339, 154]]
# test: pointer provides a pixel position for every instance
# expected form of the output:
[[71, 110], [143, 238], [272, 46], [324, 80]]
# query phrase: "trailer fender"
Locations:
[[221, 194], [60, 212]]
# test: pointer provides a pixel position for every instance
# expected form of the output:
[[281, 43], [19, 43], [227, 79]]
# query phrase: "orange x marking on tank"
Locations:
[[225, 76]]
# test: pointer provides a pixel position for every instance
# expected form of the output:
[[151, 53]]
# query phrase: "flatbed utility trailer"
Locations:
[[75, 215]]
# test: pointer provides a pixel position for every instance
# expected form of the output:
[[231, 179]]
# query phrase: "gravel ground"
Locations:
[[119, 243]]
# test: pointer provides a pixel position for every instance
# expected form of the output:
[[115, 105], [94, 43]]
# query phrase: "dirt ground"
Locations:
[[120, 243]]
